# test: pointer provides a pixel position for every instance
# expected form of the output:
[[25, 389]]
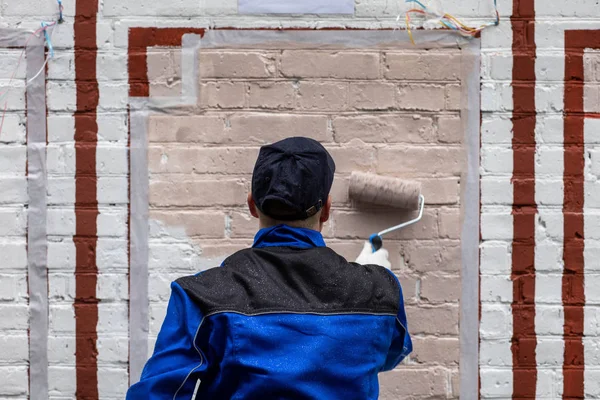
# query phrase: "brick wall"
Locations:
[[373, 114]]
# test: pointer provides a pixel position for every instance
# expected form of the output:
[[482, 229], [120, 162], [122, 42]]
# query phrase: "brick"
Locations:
[[13, 222], [13, 159], [372, 96], [426, 66], [61, 128], [112, 287], [13, 288], [453, 97], [111, 254], [496, 383], [353, 225], [350, 249], [180, 258], [14, 317], [408, 282], [495, 159], [112, 190], [62, 381], [496, 321], [243, 225], [113, 382], [323, 96], [164, 89], [61, 191], [272, 95], [354, 157], [323, 64], [194, 223], [223, 64], [495, 353], [497, 190], [495, 259], [384, 128], [421, 97], [497, 226], [439, 257], [455, 384], [339, 191], [9, 61], [410, 383], [450, 223], [112, 222], [442, 320], [60, 159], [268, 128], [15, 381], [441, 191], [433, 350], [112, 66], [200, 193], [450, 130], [62, 96], [164, 64], [13, 130], [61, 286], [115, 8], [232, 160], [15, 349], [14, 255], [420, 160], [15, 95], [440, 289], [13, 190], [157, 312], [113, 318], [196, 128], [113, 350], [226, 95]]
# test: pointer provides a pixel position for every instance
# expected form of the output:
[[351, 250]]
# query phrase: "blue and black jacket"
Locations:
[[285, 319]]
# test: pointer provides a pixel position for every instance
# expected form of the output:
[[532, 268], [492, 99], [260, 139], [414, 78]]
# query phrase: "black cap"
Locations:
[[292, 179]]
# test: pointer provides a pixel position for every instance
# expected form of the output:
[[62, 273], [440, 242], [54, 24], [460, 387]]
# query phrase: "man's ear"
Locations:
[[325, 211], [252, 206]]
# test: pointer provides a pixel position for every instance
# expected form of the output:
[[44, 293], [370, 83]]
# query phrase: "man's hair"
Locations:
[[278, 208]]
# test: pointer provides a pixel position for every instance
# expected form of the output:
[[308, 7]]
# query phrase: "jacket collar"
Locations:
[[287, 236]]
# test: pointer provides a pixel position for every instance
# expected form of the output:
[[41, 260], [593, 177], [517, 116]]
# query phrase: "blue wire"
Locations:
[[47, 37], [60, 11], [418, 2]]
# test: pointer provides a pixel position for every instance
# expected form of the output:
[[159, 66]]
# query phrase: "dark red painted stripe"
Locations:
[[86, 204], [573, 283], [524, 340]]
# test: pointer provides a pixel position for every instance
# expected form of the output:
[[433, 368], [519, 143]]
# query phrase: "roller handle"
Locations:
[[376, 242]]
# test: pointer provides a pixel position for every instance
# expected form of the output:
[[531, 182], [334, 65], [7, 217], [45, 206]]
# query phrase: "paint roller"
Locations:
[[387, 191]]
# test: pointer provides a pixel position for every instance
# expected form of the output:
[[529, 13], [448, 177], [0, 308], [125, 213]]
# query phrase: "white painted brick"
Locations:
[[113, 350], [60, 159], [218, 8], [13, 159], [181, 8], [113, 318], [113, 190], [548, 289], [545, 383], [62, 381], [61, 128], [548, 161], [62, 96], [549, 191], [13, 221], [549, 66], [111, 67], [157, 312], [112, 382], [15, 381], [592, 252], [62, 67], [549, 224], [13, 130], [496, 130], [575, 8], [61, 191], [548, 256], [112, 222], [496, 258], [496, 321], [549, 129], [112, 127], [549, 97], [496, 190], [14, 255], [13, 288], [496, 97], [496, 383], [501, 65], [497, 160], [15, 349], [60, 222], [15, 95], [112, 287], [495, 353], [549, 320], [61, 255], [9, 60], [592, 383], [175, 257], [61, 350], [14, 317], [592, 320], [496, 226], [111, 160], [13, 190], [61, 286], [549, 352], [496, 289], [62, 318], [160, 286], [111, 254], [113, 97]]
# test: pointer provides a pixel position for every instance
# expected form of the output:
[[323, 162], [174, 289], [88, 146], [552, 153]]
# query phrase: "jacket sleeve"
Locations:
[[176, 364], [401, 345]]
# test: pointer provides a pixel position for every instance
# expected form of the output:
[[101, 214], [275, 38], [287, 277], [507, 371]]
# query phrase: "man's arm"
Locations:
[[177, 362], [401, 343]]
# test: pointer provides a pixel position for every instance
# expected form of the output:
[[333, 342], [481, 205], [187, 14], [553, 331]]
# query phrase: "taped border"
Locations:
[[37, 245], [329, 39]]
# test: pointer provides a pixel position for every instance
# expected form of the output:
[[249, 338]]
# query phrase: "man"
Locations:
[[287, 318]]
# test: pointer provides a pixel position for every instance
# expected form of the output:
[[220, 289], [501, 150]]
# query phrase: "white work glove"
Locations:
[[380, 257]]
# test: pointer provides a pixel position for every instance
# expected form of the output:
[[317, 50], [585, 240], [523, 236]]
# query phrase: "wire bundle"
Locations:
[[447, 21]]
